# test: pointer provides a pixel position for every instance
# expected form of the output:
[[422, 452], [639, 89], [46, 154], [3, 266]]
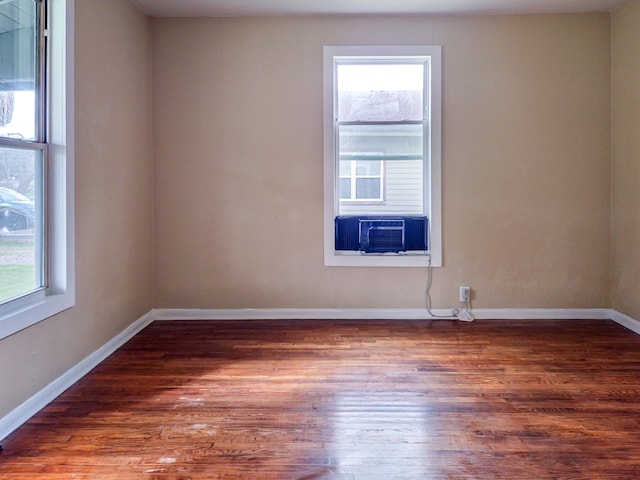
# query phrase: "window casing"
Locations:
[[382, 105], [49, 151]]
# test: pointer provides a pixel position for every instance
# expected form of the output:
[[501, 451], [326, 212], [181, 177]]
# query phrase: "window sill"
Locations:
[[19, 316], [362, 202], [340, 259]]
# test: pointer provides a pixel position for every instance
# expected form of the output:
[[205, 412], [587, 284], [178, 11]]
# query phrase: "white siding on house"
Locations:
[[403, 195]]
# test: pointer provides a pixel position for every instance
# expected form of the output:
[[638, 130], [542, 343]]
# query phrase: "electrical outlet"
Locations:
[[464, 293]]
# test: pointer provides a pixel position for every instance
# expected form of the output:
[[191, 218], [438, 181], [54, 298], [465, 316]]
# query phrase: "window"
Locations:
[[22, 150], [361, 181], [36, 181], [382, 155]]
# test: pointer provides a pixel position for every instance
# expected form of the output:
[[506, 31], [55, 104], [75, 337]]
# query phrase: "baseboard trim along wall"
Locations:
[[37, 402], [626, 321], [33, 405], [378, 313]]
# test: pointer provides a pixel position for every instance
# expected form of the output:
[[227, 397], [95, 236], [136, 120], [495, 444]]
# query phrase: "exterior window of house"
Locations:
[[36, 275], [361, 181], [382, 155]]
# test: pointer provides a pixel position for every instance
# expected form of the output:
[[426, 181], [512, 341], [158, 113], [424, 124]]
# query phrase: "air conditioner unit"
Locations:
[[381, 234]]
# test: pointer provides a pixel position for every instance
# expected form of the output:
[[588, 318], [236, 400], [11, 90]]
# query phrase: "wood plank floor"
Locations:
[[347, 400]]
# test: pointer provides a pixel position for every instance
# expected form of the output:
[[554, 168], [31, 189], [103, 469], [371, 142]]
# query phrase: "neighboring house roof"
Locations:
[[382, 105]]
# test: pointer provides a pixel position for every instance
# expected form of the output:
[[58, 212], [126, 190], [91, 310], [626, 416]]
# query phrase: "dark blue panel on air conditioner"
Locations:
[[347, 231], [381, 233]]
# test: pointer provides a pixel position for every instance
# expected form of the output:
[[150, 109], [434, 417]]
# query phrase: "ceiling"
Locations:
[[227, 8]]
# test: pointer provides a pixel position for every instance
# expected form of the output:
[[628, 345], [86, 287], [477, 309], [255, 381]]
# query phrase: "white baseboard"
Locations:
[[376, 313], [37, 402], [626, 321], [33, 405], [543, 314], [294, 314]]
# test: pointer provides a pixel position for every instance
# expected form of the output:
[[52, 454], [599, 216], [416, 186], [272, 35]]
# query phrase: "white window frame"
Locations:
[[60, 292], [432, 158]]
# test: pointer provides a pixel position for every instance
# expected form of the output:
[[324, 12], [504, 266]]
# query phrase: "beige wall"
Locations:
[[113, 202], [238, 162], [625, 200]]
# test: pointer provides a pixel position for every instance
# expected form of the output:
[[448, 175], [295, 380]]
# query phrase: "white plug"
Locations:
[[464, 294]]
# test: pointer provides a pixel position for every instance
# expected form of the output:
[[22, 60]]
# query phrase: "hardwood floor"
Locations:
[[347, 400]]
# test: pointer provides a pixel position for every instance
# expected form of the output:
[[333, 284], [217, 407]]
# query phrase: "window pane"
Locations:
[[345, 188], [368, 169], [368, 188], [18, 66], [345, 168], [379, 92], [380, 142], [21, 246]]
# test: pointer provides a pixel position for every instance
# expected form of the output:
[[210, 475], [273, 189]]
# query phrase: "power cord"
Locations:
[[465, 314], [454, 312]]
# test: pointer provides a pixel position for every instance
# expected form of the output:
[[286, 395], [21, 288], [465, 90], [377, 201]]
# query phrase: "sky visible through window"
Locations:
[[380, 77], [22, 124]]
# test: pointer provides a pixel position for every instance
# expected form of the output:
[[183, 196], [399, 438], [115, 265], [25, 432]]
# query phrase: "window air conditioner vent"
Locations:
[[381, 234]]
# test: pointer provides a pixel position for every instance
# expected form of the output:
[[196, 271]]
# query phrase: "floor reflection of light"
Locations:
[[382, 433]]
